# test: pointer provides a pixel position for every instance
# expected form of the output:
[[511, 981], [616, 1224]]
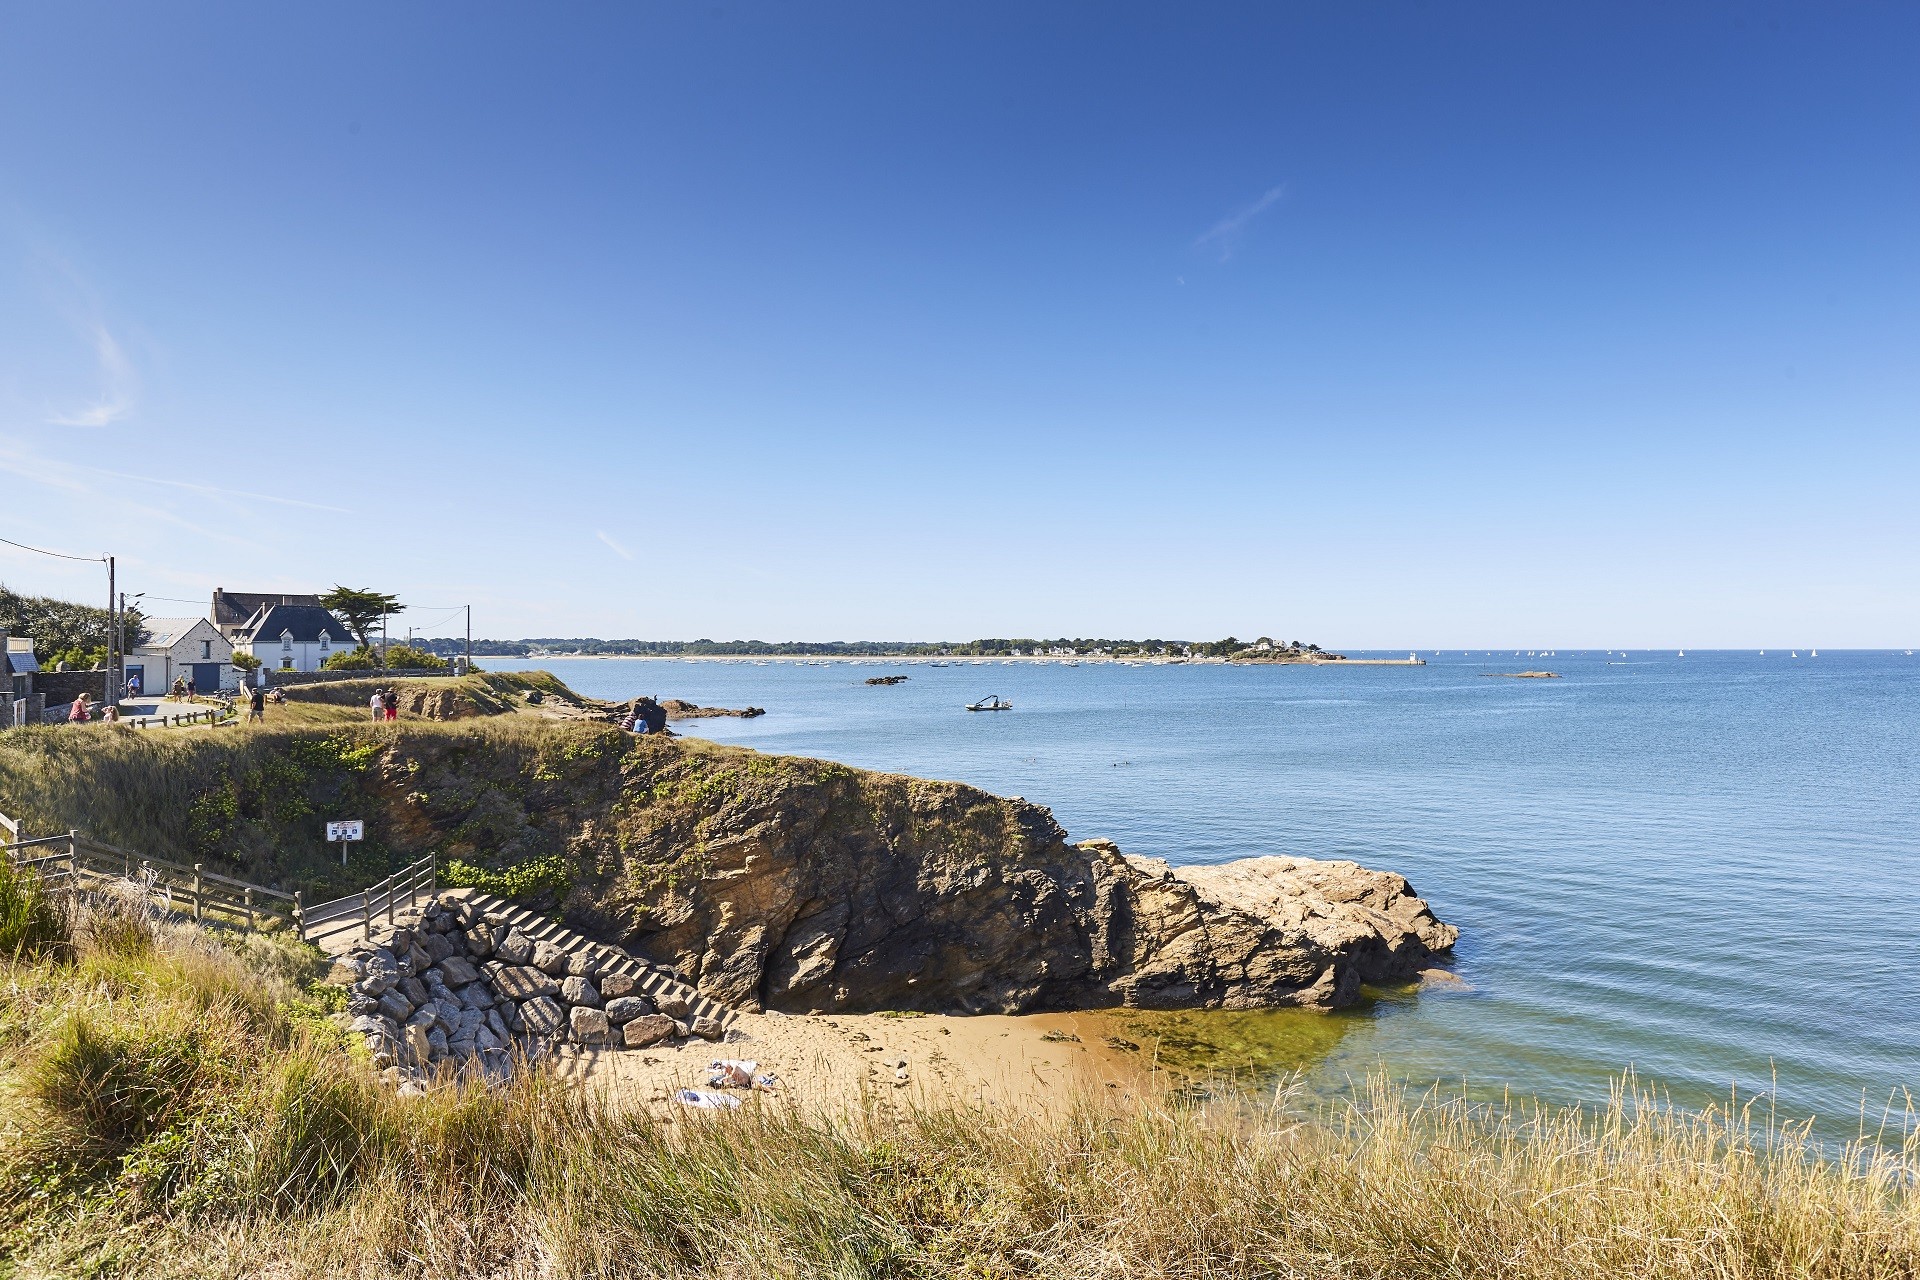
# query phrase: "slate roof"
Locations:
[[164, 633], [234, 609], [305, 621], [20, 655]]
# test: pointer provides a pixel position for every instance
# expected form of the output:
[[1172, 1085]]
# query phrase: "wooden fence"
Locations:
[[73, 861], [404, 888]]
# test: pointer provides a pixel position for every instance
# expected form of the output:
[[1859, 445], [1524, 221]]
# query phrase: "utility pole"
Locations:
[[469, 639], [112, 633]]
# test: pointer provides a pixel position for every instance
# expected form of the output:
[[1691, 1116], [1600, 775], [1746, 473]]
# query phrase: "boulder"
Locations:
[[589, 1025], [418, 1048], [395, 1005], [624, 1009], [475, 996], [614, 984], [647, 1029], [437, 1043], [426, 1017], [515, 948], [582, 964], [498, 1023], [672, 1003], [480, 941], [581, 992], [414, 989], [544, 1016], [381, 972], [458, 971], [371, 1025], [347, 970], [550, 959], [524, 983], [707, 1028], [439, 946]]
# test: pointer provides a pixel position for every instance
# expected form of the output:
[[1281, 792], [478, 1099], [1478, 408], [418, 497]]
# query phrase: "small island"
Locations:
[[886, 679], [1522, 675]]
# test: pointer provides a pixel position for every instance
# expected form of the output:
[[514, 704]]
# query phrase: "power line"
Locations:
[[60, 554]]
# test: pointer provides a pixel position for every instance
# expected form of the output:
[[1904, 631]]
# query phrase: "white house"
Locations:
[[292, 637], [191, 648]]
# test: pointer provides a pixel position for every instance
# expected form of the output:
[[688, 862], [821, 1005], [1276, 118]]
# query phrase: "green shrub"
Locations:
[[32, 923], [361, 659], [522, 882], [405, 657]]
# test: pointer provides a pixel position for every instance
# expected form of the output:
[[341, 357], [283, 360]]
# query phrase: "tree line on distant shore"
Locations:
[[990, 648]]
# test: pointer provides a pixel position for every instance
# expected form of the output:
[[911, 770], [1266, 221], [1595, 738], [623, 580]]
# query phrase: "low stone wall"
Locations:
[[36, 707], [276, 679], [61, 687], [460, 990]]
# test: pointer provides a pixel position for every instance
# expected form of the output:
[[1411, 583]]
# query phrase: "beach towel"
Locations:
[[705, 1099]]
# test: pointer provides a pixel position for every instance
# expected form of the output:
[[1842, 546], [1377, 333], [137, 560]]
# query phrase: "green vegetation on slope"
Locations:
[[170, 1105]]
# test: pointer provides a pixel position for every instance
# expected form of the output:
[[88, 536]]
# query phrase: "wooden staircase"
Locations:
[[652, 981]]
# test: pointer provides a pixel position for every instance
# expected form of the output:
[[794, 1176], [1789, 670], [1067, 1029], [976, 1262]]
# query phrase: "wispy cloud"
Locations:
[[217, 492], [73, 477], [117, 383], [1224, 236], [618, 550]]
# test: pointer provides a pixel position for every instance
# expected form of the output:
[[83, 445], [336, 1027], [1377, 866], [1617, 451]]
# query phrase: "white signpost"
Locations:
[[354, 829]]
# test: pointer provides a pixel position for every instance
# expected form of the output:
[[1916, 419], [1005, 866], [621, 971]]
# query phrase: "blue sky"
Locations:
[[1376, 324]]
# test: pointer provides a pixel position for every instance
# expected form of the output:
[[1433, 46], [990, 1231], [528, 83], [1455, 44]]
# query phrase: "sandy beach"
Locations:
[[1035, 1062]]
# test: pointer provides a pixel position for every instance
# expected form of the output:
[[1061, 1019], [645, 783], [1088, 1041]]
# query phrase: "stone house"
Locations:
[[182, 647]]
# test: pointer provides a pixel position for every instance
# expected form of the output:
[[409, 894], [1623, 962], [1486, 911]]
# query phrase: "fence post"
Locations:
[[366, 915], [247, 897], [196, 891], [300, 913]]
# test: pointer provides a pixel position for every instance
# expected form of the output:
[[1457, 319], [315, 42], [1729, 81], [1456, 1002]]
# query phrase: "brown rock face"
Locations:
[[811, 886]]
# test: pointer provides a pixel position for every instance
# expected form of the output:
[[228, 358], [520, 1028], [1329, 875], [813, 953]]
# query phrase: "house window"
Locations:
[[206, 650], [323, 642]]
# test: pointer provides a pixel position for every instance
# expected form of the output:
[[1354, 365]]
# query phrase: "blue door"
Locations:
[[206, 677]]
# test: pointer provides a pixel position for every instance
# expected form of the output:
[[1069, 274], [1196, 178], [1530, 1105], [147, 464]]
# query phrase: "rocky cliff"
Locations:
[[799, 885]]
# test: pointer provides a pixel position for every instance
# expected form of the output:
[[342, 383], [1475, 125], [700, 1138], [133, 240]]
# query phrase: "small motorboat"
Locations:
[[992, 702]]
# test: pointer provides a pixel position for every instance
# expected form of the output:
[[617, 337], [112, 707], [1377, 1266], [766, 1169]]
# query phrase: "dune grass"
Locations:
[[172, 1104]]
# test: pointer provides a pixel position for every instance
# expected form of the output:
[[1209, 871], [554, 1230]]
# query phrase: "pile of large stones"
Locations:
[[459, 988]]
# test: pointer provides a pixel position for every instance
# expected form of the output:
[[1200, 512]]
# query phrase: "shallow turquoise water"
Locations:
[[1702, 868]]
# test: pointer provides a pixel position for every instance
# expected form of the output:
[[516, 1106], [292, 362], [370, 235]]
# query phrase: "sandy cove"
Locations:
[[829, 1062]]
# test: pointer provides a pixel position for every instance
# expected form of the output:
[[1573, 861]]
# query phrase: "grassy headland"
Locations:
[[175, 1104]]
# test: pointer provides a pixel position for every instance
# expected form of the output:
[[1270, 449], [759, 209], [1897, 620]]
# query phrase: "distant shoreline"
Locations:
[[904, 660]]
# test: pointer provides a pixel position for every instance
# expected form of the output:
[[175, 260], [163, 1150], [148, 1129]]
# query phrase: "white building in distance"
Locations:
[[292, 637], [182, 647]]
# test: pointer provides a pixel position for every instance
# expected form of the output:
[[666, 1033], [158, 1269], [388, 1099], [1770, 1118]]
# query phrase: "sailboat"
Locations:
[[1814, 653], [1683, 653], [1796, 653]]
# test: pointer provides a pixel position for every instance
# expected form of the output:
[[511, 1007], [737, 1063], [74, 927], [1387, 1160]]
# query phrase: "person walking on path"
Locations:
[[256, 705], [378, 703], [392, 702]]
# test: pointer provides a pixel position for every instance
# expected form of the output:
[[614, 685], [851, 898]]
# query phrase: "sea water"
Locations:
[[1699, 868]]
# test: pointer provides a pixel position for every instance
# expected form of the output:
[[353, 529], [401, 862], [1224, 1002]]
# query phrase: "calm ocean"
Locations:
[[1699, 867]]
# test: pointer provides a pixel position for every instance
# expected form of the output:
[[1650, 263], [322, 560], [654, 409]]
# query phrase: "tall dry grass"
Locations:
[[172, 1105]]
